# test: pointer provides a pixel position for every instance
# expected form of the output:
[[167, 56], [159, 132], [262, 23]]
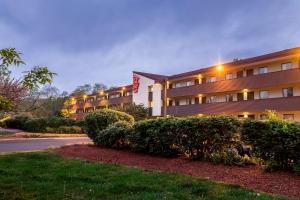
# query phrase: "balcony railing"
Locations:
[[260, 105], [124, 99], [257, 81]]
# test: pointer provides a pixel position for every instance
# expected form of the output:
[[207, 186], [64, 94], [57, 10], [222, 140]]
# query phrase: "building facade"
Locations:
[[244, 88]]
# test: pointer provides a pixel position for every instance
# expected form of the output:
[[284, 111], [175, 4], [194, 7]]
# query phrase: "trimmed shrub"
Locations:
[[156, 136], [98, 121], [115, 135], [201, 137], [275, 141], [296, 169], [17, 122], [36, 125], [195, 137], [51, 125]]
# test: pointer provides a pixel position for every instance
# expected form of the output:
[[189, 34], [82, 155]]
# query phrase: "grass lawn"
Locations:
[[46, 175], [6, 133]]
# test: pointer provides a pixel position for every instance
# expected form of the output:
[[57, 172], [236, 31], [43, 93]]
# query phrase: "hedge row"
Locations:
[[275, 141], [219, 139], [50, 125]]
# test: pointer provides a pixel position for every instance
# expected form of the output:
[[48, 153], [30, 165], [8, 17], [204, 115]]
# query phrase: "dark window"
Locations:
[[288, 116], [203, 99], [240, 74], [170, 103], [196, 81], [229, 97], [251, 116], [197, 100], [203, 80], [176, 103], [249, 72], [150, 96], [240, 96], [170, 86], [250, 95], [288, 92], [240, 116]]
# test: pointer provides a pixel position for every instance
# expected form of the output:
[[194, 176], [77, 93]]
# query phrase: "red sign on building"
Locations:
[[136, 83]]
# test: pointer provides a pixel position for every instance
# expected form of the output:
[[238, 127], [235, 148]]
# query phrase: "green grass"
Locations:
[[45, 175], [6, 133]]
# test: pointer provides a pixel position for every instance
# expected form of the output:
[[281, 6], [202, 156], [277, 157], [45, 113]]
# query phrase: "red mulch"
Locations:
[[279, 183]]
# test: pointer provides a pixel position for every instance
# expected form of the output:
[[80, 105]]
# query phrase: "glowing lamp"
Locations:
[[219, 67]]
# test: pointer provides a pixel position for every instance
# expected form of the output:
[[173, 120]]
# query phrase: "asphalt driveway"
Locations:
[[13, 145]]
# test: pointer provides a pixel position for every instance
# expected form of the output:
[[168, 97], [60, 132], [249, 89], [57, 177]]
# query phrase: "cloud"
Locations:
[[167, 40]]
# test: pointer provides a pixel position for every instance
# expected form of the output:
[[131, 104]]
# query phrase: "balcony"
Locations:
[[119, 100], [277, 104], [101, 103], [257, 81]]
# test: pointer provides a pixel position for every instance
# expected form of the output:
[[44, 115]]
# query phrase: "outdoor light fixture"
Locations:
[[219, 67], [123, 88]]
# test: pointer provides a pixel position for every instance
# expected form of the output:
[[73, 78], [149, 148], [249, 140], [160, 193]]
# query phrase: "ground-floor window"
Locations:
[[288, 116]]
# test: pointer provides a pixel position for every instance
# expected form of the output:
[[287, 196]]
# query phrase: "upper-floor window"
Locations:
[[212, 99], [80, 101], [263, 70], [249, 72], [99, 98], [183, 84], [79, 111], [90, 100], [229, 76], [240, 74], [185, 102], [114, 96], [127, 94], [288, 92], [286, 66], [229, 97], [264, 94], [212, 79]]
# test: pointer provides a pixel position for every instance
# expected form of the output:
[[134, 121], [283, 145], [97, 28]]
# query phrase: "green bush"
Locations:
[[156, 136], [17, 122], [36, 125], [296, 168], [99, 120], [115, 135], [276, 141], [201, 137], [195, 137]]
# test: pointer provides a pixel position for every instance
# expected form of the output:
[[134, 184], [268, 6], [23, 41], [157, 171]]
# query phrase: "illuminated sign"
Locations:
[[136, 83]]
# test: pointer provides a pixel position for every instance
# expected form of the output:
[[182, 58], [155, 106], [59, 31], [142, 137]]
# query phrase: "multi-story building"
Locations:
[[244, 88]]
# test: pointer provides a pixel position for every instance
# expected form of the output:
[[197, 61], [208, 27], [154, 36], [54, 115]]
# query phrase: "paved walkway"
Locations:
[[13, 145]]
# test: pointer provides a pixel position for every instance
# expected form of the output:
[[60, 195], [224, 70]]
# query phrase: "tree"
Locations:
[[139, 112], [82, 89], [98, 87], [15, 92]]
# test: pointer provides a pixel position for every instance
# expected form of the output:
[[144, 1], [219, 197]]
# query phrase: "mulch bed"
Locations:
[[279, 183]]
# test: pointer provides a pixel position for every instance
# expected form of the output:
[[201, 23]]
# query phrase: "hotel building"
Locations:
[[244, 88]]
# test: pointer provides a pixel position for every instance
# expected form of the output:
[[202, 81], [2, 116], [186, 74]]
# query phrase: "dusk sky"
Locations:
[[88, 41]]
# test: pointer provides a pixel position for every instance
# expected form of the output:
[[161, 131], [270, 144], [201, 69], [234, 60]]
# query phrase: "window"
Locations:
[[263, 116], [185, 102], [263, 70], [113, 96], [229, 97], [100, 98], [288, 116], [240, 74], [251, 116], [249, 72], [127, 94], [240, 96], [91, 100], [212, 79], [183, 84], [229, 76], [288, 92], [250, 95], [264, 94], [286, 66], [189, 83], [212, 99]]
